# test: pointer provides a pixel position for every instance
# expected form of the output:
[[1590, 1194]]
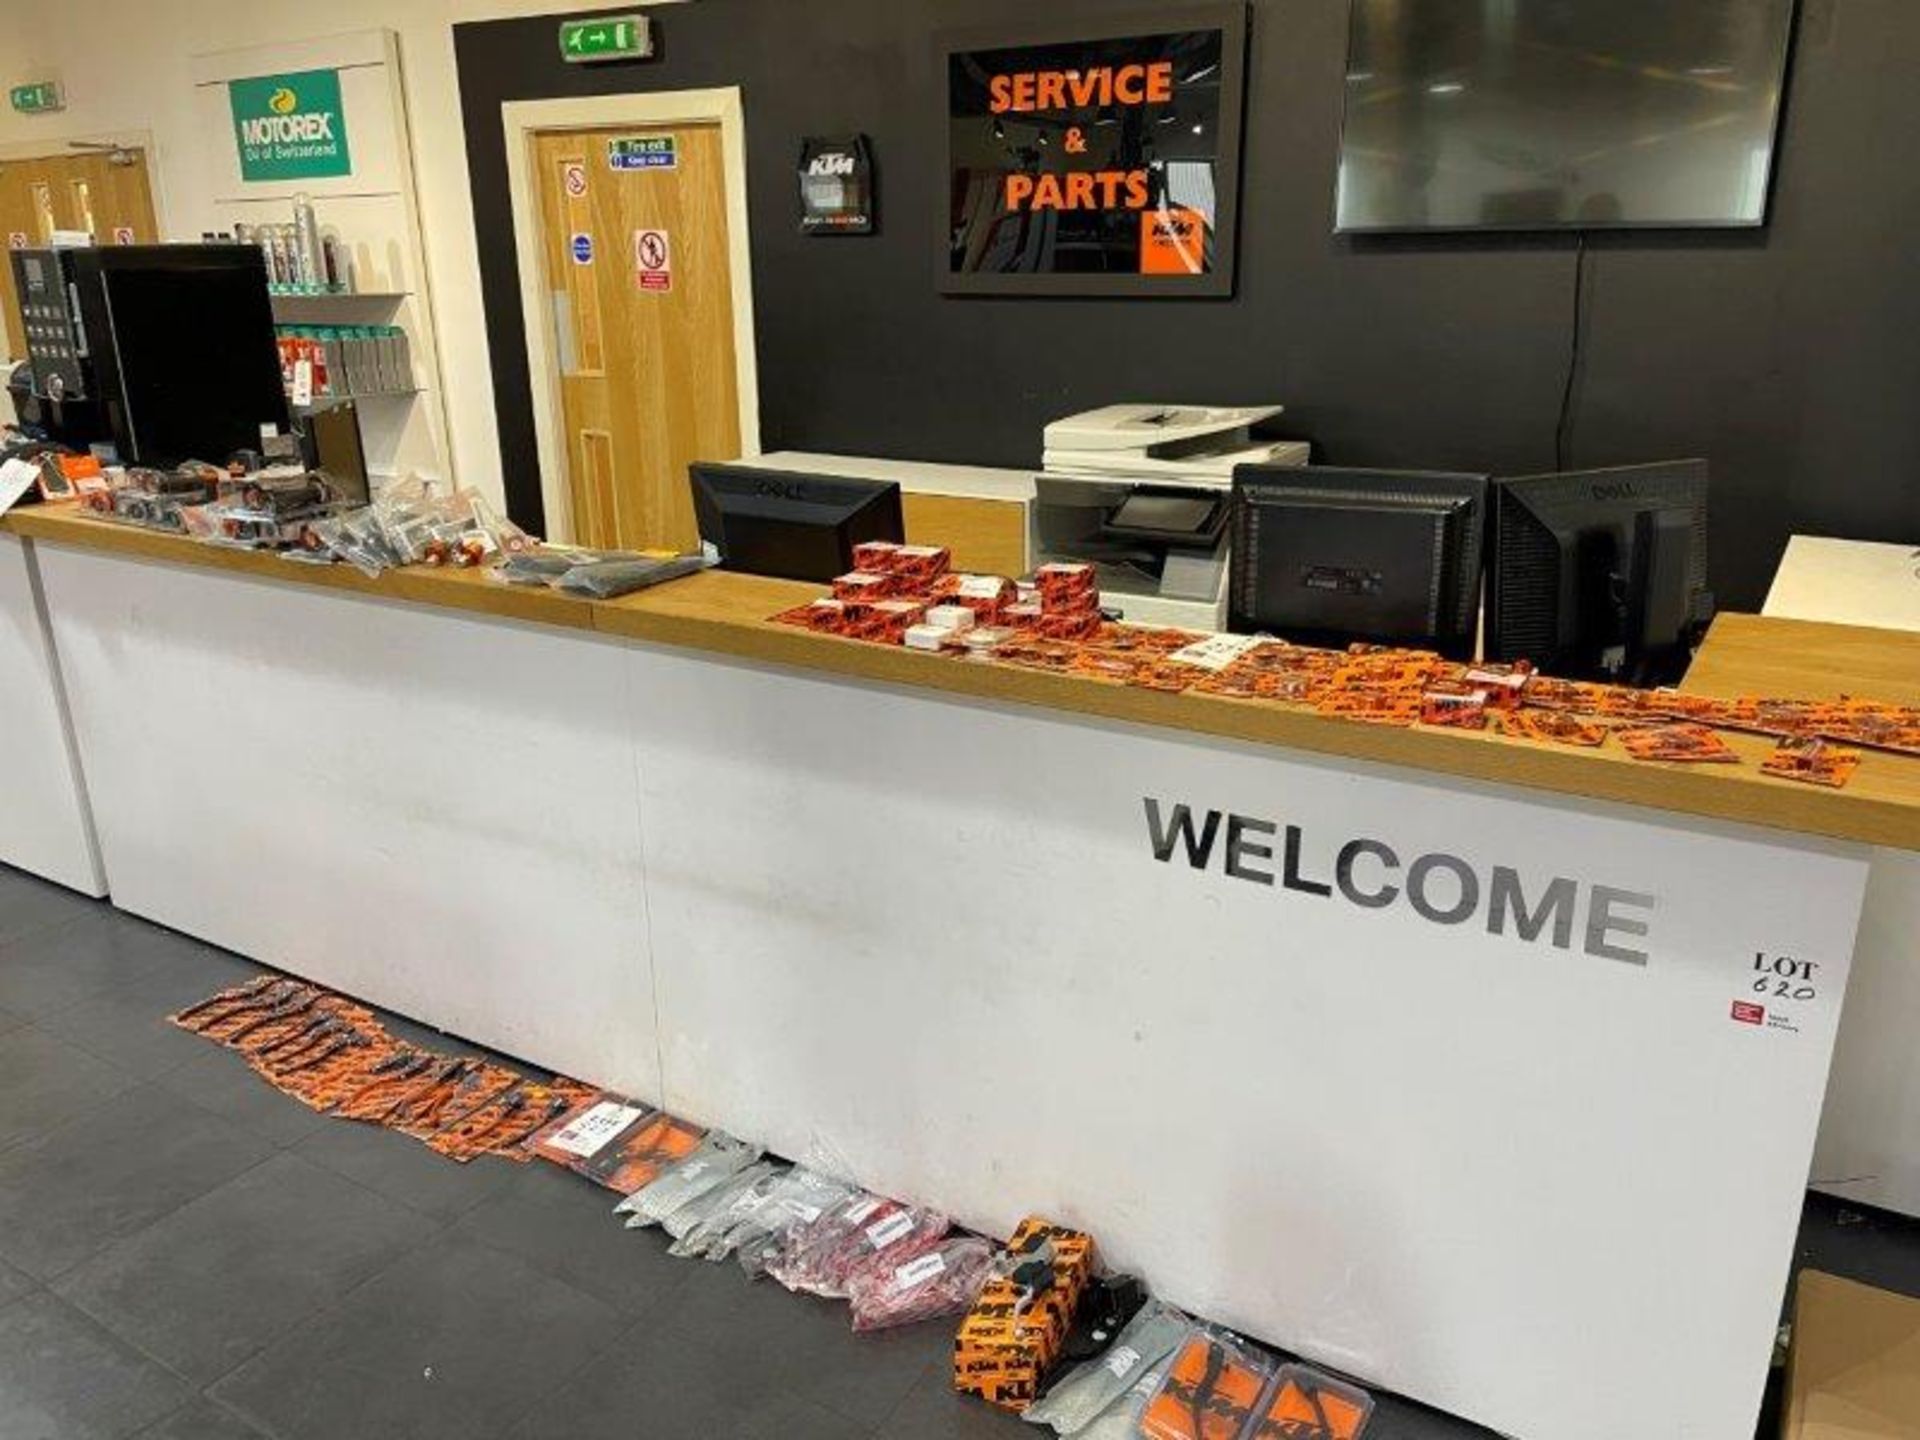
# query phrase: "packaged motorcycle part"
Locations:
[[1553, 727], [1812, 762], [950, 617], [880, 1233], [874, 557], [1303, 1403], [790, 1266], [1081, 1395], [1683, 744], [697, 1221], [984, 595], [507, 538], [1121, 1419], [1012, 1336], [712, 1162], [1063, 586], [801, 1197], [930, 638], [544, 564], [644, 1151], [609, 579], [1211, 1390], [888, 621], [577, 1137], [941, 1281], [863, 585], [1107, 1305]]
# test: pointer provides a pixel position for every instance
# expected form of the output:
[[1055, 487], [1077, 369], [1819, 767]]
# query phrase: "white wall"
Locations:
[[125, 66]]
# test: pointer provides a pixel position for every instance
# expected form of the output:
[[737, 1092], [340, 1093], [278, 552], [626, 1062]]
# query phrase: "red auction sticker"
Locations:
[[1747, 1013]]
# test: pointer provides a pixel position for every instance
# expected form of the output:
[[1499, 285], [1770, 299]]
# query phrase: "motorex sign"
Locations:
[[290, 127]]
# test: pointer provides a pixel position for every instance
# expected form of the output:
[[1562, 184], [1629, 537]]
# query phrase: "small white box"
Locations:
[[953, 618], [927, 637]]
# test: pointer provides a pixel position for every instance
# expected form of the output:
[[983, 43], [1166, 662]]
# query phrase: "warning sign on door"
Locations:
[[123, 235], [16, 239], [576, 178], [653, 259]]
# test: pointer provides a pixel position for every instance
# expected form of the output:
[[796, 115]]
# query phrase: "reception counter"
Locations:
[[1473, 1067]]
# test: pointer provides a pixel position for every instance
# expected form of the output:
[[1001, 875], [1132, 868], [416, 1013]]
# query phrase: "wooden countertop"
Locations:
[[727, 615]]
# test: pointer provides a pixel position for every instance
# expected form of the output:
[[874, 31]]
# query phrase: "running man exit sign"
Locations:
[[606, 37], [37, 98]]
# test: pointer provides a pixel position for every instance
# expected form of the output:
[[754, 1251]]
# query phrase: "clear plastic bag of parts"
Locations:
[[542, 564], [943, 1280], [356, 538], [1210, 1388], [609, 579], [693, 1215], [1084, 1393], [803, 1195], [865, 1230], [1121, 1419], [711, 1163]]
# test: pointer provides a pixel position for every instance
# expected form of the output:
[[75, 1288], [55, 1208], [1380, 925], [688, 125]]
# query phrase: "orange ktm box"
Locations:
[[1005, 1347]]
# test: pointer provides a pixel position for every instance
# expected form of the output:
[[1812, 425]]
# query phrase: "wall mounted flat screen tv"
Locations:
[[1561, 114]]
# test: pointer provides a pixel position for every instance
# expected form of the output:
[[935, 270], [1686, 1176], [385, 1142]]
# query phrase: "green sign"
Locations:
[[38, 98], [642, 152], [290, 127], [606, 37]]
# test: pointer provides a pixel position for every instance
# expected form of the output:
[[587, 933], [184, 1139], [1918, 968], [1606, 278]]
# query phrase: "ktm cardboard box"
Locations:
[[1003, 1347]]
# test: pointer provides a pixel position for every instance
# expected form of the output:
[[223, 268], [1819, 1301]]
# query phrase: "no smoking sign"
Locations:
[[576, 178], [653, 260]]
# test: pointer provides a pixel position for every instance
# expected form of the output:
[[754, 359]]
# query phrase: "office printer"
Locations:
[[1143, 492]]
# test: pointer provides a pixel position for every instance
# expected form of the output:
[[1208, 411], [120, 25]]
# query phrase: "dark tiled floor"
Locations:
[[187, 1255]]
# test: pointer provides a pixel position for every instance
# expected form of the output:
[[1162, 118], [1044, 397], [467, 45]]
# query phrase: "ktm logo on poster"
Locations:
[[831, 165]]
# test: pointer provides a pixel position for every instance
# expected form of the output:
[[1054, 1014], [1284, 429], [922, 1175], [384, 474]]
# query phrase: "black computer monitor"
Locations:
[[1329, 556], [1601, 574], [184, 352], [794, 526]]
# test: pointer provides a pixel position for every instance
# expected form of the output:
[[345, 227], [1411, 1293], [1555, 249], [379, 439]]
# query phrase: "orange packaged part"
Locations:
[[1013, 1334], [1812, 762], [1067, 586], [985, 595], [1304, 1404], [1681, 744], [874, 557], [1554, 727], [889, 620], [1067, 625], [1212, 1389], [863, 585]]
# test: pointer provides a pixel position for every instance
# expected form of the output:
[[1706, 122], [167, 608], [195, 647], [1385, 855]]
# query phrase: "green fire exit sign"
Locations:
[[37, 98], [606, 37]]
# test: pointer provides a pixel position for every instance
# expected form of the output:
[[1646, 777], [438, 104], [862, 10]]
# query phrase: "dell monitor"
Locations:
[[1602, 574], [792, 526], [1329, 556]]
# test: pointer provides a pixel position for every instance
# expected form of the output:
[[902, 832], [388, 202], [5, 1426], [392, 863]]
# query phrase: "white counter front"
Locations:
[[45, 824], [1487, 1095]]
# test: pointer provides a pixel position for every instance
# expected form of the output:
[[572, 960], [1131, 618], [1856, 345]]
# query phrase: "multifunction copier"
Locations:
[[1143, 493]]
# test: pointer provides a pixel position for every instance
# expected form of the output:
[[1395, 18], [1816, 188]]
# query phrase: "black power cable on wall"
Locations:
[[1576, 353]]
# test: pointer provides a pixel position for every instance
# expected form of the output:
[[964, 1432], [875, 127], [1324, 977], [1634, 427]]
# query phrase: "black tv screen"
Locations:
[[1561, 114]]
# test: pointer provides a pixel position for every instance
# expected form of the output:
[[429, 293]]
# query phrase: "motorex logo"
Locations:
[[290, 127]]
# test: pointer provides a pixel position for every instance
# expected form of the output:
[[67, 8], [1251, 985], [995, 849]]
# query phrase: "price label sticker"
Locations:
[[896, 1226], [918, 1272], [587, 1134]]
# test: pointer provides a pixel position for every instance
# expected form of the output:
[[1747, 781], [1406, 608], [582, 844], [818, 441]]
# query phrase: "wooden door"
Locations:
[[86, 190], [641, 316]]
